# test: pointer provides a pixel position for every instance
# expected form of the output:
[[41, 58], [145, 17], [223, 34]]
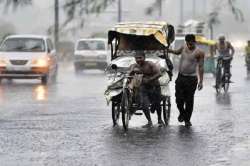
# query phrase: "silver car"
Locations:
[[90, 54], [27, 57]]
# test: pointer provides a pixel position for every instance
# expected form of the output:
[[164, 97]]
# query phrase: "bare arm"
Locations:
[[131, 69], [231, 48], [201, 56], [215, 48], [176, 52], [156, 71]]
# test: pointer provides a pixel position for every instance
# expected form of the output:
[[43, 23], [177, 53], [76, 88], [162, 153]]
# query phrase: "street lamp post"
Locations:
[[181, 12], [119, 11], [56, 28], [160, 8], [194, 9]]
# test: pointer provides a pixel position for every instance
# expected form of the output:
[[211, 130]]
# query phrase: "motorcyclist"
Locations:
[[226, 52], [149, 91]]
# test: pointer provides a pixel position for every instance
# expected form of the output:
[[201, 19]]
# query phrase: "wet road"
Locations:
[[68, 123]]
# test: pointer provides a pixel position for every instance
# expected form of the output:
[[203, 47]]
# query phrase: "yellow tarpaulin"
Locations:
[[203, 40], [158, 29]]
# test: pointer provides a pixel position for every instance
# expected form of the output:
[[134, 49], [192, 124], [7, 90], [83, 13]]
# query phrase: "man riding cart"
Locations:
[[130, 44], [149, 88]]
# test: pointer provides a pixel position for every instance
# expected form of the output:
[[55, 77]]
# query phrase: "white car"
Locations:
[[27, 57], [90, 54]]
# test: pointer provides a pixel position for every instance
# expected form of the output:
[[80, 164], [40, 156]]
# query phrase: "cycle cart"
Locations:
[[222, 80], [125, 39]]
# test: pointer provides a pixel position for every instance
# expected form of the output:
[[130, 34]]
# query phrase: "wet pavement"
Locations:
[[69, 123]]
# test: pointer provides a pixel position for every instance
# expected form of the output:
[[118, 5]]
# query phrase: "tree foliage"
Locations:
[[79, 9], [213, 17], [74, 9], [14, 4], [235, 10], [153, 7], [6, 29]]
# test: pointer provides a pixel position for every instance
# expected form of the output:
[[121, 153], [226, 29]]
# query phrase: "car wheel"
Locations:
[[54, 77], [77, 69], [44, 79]]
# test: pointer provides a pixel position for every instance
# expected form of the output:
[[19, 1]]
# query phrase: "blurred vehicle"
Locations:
[[178, 43], [125, 39], [90, 54], [27, 57]]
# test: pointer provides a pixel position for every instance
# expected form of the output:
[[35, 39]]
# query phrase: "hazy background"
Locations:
[[38, 17]]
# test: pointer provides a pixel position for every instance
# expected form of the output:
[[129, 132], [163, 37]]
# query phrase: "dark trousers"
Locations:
[[227, 66], [150, 95], [185, 87]]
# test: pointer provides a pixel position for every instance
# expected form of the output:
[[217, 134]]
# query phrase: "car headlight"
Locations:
[[41, 62], [2, 62]]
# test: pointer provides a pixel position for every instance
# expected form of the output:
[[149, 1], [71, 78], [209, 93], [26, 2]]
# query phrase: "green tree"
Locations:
[[80, 9], [156, 5], [213, 17], [14, 4], [212, 21], [76, 10], [6, 29], [235, 10]]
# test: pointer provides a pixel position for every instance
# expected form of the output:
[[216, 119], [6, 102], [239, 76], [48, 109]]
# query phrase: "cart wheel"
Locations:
[[226, 84], [115, 113], [44, 79], [218, 88], [125, 108], [218, 80], [166, 109]]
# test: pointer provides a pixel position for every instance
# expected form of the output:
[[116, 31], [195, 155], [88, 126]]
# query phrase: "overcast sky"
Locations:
[[37, 18]]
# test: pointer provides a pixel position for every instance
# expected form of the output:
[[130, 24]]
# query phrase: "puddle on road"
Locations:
[[19, 91], [40, 93]]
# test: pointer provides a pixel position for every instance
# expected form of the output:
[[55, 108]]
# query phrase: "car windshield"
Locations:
[[23, 45], [91, 45]]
